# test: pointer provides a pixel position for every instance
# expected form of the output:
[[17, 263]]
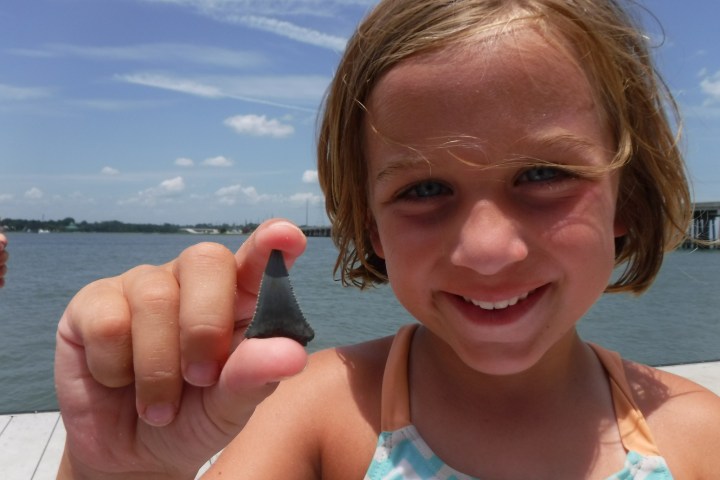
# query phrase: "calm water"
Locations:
[[678, 321]]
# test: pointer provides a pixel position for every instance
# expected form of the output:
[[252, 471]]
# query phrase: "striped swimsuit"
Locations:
[[402, 454]]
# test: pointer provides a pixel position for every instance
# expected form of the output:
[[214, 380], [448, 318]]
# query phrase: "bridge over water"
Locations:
[[705, 225], [316, 231]]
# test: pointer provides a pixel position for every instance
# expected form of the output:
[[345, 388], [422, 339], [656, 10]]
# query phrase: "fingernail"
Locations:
[[202, 374], [282, 225], [159, 415]]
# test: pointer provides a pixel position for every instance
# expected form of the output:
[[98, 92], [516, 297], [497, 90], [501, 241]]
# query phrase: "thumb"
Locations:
[[250, 375]]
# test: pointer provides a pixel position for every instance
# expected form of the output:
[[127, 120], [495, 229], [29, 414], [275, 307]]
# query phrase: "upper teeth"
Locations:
[[497, 305]]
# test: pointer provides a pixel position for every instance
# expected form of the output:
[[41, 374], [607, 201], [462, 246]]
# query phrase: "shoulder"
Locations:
[[346, 399], [320, 419], [659, 392], [352, 372], [683, 416], [345, 381], [356, 360]]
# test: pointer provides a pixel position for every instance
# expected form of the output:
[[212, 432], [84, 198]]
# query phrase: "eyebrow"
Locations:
[[404, 164], [414, 158], [566, 142]]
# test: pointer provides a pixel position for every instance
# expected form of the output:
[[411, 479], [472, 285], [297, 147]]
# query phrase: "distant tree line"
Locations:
[[111, 226]]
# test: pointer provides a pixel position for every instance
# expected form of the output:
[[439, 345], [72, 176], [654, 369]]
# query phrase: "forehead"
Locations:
[[517, 72]]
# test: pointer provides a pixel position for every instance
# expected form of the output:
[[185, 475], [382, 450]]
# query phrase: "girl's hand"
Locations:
[[153, 375]]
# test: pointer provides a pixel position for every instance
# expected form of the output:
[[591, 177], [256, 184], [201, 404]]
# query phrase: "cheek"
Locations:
[[402, 248], [385, 245], [589, 229]]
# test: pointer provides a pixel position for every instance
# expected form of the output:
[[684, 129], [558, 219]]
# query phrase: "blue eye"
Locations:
[[426, 189], [542, 174]]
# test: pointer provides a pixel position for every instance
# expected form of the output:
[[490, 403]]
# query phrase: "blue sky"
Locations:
[[189, 111]]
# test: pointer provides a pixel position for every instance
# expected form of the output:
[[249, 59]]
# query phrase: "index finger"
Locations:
[[252, 256]]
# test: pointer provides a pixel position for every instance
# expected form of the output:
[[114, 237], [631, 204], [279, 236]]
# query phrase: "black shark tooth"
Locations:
[[277, 313]]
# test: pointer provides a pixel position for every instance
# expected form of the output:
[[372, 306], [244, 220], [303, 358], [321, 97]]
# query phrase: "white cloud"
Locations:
[[29, 52], [265, 90], [165, 191], [184, 162], [175, 84], [271, 7], [80, 197], [6, 197], [109, 171], [172, 185], [150, 53], [14, 93], [710, 85], [259, 125], [238, 194], [112, 105], [229, 191], [306, 198], [291, 31], [257, 14], [310, 176], [218, 161], [34, 194]]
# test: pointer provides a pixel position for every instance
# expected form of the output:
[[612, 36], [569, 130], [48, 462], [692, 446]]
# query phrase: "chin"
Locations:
[[501, 360]]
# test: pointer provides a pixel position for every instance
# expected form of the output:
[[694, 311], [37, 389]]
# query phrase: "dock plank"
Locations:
[[4, 420], [23, 443], [31, 446], [706, 374], [50, 461]]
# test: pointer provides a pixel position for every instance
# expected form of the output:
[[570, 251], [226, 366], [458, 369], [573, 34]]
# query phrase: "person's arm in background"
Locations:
[[3, 259]]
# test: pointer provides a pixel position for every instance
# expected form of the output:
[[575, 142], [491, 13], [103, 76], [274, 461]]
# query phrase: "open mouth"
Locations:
[[499, 305]]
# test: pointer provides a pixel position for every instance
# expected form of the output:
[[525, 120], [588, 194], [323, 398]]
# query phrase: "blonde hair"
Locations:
[[653, 198]]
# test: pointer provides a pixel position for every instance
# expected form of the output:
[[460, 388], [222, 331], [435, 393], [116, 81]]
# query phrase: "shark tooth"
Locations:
[[277, 313]]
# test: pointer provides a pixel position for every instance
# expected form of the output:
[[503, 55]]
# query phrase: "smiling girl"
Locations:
[[494, 161]]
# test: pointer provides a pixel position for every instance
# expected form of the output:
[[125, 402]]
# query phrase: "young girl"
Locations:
[[494, 160]]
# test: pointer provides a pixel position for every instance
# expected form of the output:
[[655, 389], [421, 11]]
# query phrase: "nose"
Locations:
[[489, 239]]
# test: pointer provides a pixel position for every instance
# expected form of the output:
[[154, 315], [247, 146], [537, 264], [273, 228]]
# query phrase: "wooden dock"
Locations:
[[31, 444]]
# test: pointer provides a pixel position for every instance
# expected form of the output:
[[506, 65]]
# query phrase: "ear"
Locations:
[[372, 228], [622, 202], [619, 227]]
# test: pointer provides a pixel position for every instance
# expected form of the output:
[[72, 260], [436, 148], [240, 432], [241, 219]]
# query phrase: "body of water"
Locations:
[[677, 321]]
